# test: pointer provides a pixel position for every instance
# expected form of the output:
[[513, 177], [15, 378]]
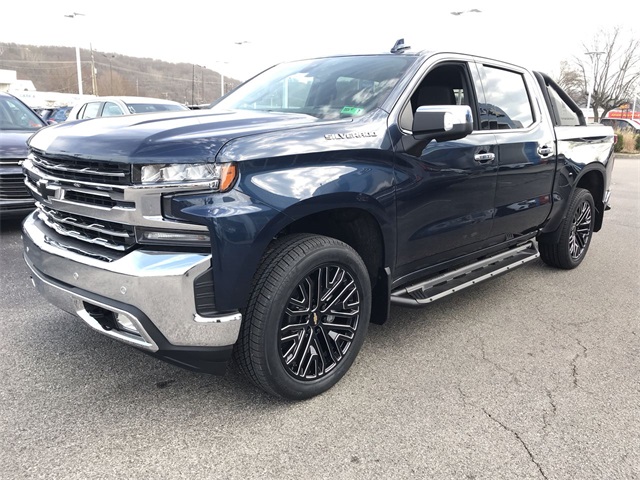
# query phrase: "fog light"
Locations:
[[173, 237], [124, 323]]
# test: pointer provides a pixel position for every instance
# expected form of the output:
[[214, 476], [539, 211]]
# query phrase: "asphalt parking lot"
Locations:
[[535, 374]]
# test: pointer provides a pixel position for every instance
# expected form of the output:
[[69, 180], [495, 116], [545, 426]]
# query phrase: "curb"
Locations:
[[628, 155]]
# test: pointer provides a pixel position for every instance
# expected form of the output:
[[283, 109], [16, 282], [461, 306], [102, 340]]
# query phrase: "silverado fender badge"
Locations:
[[346, 136]]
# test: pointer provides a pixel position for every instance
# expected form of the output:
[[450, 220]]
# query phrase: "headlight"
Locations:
[[221, 176]]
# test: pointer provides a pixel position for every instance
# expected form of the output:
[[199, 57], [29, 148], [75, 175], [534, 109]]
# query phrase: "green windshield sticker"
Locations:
[[351, 111]]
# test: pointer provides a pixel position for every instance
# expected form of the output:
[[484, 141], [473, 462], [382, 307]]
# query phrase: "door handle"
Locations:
[[545, 151], [484, 157]]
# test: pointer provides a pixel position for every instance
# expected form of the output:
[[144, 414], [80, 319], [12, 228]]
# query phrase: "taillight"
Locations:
[[615, 138]]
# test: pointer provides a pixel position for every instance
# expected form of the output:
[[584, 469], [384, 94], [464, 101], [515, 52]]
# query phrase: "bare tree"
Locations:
[[610, 69], [572, 81]]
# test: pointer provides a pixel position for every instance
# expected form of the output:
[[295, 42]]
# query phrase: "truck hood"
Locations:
[[177, 137]]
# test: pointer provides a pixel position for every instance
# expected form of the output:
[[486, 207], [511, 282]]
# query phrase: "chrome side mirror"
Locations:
[[442, 122]]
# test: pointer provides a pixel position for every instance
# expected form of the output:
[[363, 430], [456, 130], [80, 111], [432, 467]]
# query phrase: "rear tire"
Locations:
[[306, 318], [575, 233]]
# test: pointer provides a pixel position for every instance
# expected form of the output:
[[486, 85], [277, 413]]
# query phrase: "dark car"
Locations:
[[17, 123], [53, 115]]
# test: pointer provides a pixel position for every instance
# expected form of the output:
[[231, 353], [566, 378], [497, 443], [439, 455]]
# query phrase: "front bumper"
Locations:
[[150, 291]]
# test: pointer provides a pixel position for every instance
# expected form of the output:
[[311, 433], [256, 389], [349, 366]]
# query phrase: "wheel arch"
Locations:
[[363, 231], [591, 178], [593, 181]]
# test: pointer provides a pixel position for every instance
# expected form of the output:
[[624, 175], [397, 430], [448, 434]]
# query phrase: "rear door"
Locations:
[[526, 149]]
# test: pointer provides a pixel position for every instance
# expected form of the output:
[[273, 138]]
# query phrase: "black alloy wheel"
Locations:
[[575, 233], [581, 229], [320, 322], [307, 316]]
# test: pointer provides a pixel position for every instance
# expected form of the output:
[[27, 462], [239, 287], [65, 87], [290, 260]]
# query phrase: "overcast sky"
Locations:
[[241, 38]]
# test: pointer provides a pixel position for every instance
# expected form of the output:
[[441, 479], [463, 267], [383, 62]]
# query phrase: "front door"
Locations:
[[445, 190]]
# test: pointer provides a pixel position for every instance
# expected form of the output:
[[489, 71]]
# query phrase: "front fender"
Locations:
[[266, 201]]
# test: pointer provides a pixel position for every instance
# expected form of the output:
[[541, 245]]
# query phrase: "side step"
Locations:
[[434, 288]]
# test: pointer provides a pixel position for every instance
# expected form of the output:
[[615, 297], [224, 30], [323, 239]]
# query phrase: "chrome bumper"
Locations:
[[143, 286]]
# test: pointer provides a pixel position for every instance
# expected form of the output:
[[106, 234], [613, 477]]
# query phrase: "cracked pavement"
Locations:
[[531, 375]]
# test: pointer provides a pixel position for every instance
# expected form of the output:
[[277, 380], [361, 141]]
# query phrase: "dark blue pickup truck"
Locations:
[[275, 226]]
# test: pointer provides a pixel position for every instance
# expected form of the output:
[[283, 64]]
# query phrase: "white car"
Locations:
[[623, 124], [115, 106]]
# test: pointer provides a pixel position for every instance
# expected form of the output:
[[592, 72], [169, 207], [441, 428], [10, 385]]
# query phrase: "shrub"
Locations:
[[638, 143], [620, 143]]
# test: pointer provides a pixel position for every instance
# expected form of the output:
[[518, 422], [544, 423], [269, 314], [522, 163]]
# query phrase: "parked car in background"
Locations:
[[116, 106], [53, 115], [622, 124], [17, 123]]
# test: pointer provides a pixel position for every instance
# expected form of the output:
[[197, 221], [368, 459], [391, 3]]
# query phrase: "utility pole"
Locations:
[[94, 80], [193, 82], [110, 57], [203, 69]]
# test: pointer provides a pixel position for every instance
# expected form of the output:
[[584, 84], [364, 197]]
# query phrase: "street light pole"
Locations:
[[78, 67], [222, 85], [593, 78]]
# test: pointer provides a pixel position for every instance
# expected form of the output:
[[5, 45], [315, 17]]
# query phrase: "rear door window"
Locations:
[[507, 103], [91, 110]]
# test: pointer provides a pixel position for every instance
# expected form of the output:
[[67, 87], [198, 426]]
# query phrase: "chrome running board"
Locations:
[[434, 288]]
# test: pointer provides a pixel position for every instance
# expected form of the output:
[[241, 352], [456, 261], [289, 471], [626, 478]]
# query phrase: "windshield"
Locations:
[[326, 88], [14, 115]]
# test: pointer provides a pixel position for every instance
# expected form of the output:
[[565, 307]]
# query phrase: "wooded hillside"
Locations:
[[53, 69]]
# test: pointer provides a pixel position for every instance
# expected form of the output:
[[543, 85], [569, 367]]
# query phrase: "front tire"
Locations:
[[575, 233], [306, 318]]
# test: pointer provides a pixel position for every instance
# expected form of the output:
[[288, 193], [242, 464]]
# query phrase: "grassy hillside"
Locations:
[[53, 69]]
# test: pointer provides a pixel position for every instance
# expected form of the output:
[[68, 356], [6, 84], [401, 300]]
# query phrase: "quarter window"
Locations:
[[563, 113], [507, 104], [111, 110]]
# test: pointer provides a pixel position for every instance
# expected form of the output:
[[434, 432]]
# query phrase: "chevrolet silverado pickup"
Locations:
[[273, 228]]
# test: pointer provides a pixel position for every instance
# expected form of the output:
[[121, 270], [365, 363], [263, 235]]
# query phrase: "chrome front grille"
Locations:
[[10, 161], [90, 207], [12, 187], [105, 234], [72, 169], [90, 199]]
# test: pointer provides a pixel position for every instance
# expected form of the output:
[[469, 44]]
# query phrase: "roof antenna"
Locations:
[[400, 47]]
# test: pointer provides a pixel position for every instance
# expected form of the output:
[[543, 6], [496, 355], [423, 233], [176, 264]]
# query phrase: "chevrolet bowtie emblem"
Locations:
[[44, 190]]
